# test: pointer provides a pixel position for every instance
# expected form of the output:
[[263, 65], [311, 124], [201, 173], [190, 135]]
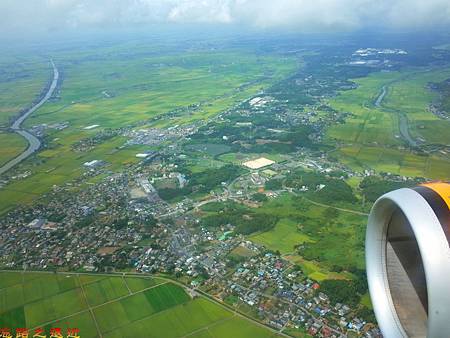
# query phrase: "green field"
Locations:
[[411, 96], [401, 162], [22, 79], [370, 138], [11, 145], [128, 84], [368, 124], [317, 229], [115, 307], [283, 237], [210, 149]]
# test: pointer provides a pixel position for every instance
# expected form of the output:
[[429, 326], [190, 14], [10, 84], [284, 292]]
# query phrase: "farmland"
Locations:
[[371, 139], [21, 82], [401, 162], [142, 178], [12, 145], [368, 124], [314, 229], [139, 88], [126, 86], [284, 237], [113, 307], [412, 96]]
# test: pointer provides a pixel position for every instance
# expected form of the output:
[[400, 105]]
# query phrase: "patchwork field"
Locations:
[[114, 307], [21, 80], [412, 96], [126, 86], [367, 124], [130, 84], [316, 229], [371, 137], [401, 162]]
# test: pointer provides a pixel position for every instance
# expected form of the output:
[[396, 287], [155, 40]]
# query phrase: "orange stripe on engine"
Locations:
[[442, 189]]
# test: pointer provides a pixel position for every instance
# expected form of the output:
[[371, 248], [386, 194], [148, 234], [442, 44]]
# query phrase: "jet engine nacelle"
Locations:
[[408, 261]]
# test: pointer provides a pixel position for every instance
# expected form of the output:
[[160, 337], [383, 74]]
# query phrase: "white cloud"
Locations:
[[301, 14], [211, 11]]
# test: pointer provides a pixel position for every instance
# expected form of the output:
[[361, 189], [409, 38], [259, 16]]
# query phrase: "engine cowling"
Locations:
[[408, 261]]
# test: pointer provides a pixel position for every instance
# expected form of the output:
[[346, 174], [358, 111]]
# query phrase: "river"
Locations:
[[33, 142], [402, 120]]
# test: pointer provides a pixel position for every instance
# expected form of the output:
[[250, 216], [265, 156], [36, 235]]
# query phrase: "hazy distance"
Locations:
[[24, 19]]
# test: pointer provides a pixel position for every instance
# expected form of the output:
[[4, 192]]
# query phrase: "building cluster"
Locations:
[[157, 136], [41, 129], [121, 222], [284, 297]]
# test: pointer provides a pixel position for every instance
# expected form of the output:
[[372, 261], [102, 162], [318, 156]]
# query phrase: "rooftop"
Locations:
[[258, 163]]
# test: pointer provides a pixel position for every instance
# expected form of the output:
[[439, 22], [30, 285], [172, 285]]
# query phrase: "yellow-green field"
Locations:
[[395, 161], [303, 223], [22, 79], [111, 306], [21, 82], [11, 145], [141, 88], [411, 96], [368, 124], [283, 237], [370, 138], [114, 91]]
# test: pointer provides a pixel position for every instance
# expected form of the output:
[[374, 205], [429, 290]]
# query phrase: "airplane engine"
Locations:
[[408, 261]]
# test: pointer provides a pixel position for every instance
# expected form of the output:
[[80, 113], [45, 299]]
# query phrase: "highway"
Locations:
[[33, 142]]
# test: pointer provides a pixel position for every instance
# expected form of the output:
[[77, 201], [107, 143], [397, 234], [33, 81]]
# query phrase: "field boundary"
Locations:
[[166, 280]]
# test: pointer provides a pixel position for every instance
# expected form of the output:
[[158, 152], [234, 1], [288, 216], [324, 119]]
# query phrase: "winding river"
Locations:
[[402, 119], [33, 142]]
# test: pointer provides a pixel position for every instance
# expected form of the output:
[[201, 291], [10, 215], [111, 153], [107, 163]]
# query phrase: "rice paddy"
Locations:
[[114, 306], [371, 137]]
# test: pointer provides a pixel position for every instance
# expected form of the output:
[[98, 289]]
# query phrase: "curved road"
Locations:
[[33, 142]]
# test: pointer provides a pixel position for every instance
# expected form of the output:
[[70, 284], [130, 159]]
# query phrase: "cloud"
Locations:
[[310, 15], [209, 11]]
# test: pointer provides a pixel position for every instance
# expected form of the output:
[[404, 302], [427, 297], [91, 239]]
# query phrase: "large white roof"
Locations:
[[258, 163]]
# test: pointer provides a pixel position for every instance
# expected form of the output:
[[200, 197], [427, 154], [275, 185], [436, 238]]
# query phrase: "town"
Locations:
[[259, 205], [146, 219]]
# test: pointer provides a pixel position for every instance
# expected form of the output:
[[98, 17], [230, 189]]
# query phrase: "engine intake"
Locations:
[[408, 261]]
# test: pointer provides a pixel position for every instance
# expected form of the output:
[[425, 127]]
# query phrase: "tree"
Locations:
[[149, 223], [256, 222], [259, 197], [340, 291], [373, 187], [274, 184], [331, 213]]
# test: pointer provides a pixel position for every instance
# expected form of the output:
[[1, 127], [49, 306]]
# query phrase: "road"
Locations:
[[337, 208], [90, 308], [200, 293], [33, 142]]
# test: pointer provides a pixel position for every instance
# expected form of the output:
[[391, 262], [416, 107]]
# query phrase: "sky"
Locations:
[[23, 17]]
